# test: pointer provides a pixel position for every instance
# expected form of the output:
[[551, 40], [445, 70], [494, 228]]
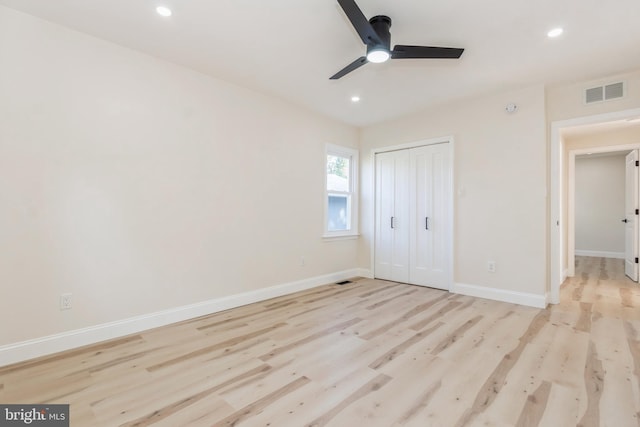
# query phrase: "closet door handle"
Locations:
[[392, 222], [426, 223]]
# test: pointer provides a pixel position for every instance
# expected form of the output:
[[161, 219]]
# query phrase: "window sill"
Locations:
[[332, 238]]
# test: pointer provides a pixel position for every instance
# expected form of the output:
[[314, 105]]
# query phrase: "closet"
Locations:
[[413, 216]]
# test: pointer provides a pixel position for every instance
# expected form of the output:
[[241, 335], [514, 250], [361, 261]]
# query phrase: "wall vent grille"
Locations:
[[604, 93], [613, 91]]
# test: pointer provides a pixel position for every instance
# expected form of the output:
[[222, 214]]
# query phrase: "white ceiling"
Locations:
[[290, 48]]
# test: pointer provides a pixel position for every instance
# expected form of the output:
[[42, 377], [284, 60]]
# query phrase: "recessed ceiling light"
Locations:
[[355, 98], [555, 32], [163, 11]]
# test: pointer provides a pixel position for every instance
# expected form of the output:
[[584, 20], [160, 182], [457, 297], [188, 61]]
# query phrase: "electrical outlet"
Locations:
[[491, 266], [65, 301]]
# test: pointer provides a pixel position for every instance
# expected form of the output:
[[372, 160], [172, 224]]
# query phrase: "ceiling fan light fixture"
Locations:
[[378, 55]]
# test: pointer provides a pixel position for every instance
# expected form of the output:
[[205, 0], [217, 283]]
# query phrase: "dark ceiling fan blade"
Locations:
[[405, 52], [360, 22], [349, 68]]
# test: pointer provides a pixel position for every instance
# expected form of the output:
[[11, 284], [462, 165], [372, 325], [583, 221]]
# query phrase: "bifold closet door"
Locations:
[[413, 198], [392, 216], [429, 205]]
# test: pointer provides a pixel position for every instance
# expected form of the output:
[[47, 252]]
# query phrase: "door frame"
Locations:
[[557, 228], [571, 196], [634, 239], [449, 140]]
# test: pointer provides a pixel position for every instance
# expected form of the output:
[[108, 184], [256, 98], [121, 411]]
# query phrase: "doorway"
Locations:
[[603, 200], [561, 224]]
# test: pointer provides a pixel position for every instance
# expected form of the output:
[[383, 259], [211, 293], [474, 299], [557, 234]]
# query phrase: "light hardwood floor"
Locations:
[[370, 353]]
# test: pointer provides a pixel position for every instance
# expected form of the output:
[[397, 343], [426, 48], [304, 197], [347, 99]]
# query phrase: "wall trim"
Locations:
[[43, 346], [364, 272], [600, 254], [522, 298], [571, 195]]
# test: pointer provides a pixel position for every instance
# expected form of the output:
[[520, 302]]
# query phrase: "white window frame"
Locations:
[[353, 155]]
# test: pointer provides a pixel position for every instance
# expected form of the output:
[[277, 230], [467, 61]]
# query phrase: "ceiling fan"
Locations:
[[375, 34]]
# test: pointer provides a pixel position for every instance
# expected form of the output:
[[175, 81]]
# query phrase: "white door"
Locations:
[[412, 240], [429, 185], [392, 218], [631, 217]]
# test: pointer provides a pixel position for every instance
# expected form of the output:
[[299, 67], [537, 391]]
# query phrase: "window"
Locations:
[[341, 201]]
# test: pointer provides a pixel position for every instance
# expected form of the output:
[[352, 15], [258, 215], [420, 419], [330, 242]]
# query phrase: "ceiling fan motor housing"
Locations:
[[381, 25]]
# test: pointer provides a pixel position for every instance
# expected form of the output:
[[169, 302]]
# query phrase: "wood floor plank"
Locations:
[[440, 314], [454, 395], [536, 404], [496, 379], [180, 404], [370, 387], [618, 399], [565, 406], [416, 310], [372, 353], [315, 399], [217, 346], [594, 380], [205, 412], [400, 348], [320, 334], [327, 370], [455, 335], [404, 398], [258, 406], [633, 341]]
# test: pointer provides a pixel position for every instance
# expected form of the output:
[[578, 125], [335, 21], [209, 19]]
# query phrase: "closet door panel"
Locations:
[[401, 224], [385, 189], [429, 207], [419, 242], [439, 210]]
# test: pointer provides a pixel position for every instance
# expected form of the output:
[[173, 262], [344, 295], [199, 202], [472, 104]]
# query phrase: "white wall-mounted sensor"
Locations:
[[511, 108]]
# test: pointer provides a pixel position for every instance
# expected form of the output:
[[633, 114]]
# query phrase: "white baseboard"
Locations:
[[522, 298], [25, 350], [364, 272], [600, 254]]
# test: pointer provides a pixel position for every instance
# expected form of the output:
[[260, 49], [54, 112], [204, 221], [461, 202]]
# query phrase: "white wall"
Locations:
[[138, 185], [500, 186], [566, 101], [599, 204]]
